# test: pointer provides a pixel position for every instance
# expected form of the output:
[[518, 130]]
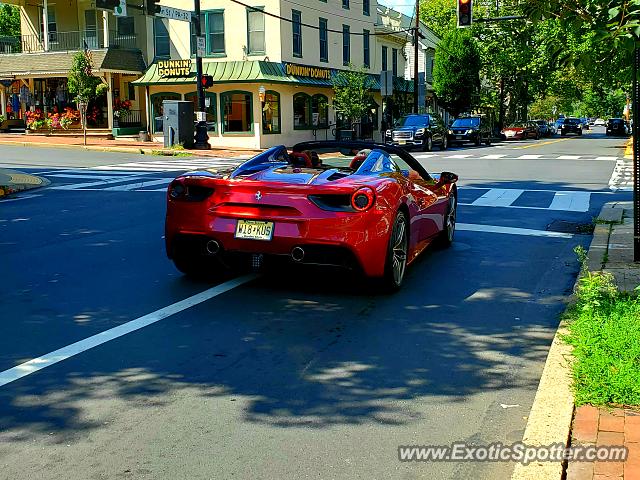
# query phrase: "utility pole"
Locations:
[[416, 49], [636, 155], [201, 138]]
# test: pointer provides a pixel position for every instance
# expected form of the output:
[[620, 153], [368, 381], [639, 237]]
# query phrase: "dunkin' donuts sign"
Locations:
[[174, 68]]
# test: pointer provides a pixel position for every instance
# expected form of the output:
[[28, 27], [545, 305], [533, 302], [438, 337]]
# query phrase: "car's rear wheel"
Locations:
[[196, 265], [397, 252], [449, 228]]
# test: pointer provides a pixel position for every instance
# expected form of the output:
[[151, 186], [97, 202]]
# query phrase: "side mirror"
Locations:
[[447, 178]]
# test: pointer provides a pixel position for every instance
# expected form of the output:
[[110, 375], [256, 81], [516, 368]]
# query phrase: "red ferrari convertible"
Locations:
[[363, 206]]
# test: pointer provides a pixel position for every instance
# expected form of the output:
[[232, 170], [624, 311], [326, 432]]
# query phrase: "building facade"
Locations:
[[34, 66], [288, 49]]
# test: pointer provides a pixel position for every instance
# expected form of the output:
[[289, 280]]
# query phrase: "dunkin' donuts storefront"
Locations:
[[254, 104]]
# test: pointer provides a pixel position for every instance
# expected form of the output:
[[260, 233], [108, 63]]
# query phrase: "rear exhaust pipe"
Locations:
[[297, 254], [213, 247]]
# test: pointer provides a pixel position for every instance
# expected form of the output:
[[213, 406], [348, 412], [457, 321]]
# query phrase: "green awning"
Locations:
[[254, 71]]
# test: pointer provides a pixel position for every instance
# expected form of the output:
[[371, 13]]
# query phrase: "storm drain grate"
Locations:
[[563, 226]]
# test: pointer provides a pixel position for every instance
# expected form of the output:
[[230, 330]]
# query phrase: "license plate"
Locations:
[[402, 142], [254, 230], [459, 137], [510, 134]]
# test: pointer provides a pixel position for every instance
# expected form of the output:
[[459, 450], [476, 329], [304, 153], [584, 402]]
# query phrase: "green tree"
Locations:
[[456, 79], [9, 21], [82, 82], [439, 15], [352, 94]]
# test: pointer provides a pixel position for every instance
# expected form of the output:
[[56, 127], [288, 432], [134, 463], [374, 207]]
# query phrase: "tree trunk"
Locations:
[[501, 113]]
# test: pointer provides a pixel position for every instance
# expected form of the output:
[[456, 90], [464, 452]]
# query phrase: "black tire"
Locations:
[[427, 144], [197, 266], [445, 239], [477, 141], [488, 141], [580, 133], [445, 143], [397, 252]]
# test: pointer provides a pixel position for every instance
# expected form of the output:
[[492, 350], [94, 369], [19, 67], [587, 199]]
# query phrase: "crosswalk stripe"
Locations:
[[529, 157], [134, 186], [460, 156], [77, 186], [571, 201], [498, 197], [425, 155], [569, 157], [494, 156], [606, 158], [79, 176]]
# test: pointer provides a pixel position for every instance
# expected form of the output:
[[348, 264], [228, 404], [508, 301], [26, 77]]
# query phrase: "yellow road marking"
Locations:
[[544, 143]]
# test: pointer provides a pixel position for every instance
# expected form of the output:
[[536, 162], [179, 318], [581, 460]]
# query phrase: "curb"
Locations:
[[14, 182], [628, 151], [552, 411], [153, 149]]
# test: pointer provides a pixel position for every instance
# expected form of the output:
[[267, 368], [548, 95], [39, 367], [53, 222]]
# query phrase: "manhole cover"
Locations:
[[563, 226]]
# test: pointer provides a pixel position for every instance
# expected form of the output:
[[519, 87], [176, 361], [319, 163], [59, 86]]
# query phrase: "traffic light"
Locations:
[[207, 81], [153, 7], [465, 13], [107, 4]]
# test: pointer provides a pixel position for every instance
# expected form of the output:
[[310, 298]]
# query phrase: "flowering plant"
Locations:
[[122, 107], [94, 114], [35, 119]]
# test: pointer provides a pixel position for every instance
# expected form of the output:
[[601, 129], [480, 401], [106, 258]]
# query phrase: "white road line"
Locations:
[[529, 157], [74, 349], [571, 201], [474, 227], [425, 155], [569, 157], [79, 176], [134, 186], [21, 197], [79, 186], [493, 156], [606, 158], [460, 156], [498, 197]]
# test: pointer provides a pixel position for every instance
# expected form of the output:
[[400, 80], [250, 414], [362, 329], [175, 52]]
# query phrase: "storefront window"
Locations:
[[271, 112], [157, 110], [237, 112], [210, 105], [320, 111], [301, 111]]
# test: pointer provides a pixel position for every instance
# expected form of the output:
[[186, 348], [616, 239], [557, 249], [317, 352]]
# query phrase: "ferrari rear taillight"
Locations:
[[363, 199], [178, 190]]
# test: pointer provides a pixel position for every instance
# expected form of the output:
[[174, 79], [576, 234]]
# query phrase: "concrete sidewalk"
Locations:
[[13, 182], [117, 146]]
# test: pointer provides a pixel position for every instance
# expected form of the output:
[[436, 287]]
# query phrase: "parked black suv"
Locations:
[[618, 126], [418, 130], [571, 125], [470, 129]]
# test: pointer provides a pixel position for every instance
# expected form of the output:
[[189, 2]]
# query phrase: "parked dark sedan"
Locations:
[[418, 130], [543, 128], [470, 129], [571, 125], [617, 126]]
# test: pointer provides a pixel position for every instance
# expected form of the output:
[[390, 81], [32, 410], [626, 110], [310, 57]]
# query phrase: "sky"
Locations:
[[404, 6]]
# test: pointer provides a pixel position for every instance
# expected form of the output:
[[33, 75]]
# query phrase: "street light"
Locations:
[[82, 106]]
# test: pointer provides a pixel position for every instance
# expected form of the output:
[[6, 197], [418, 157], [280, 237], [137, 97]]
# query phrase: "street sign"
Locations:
[[201, 44], [175, 14], [121, 10], [386, 83]]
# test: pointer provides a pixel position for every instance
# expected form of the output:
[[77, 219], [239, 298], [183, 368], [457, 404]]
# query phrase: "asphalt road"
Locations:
[[306, 376]]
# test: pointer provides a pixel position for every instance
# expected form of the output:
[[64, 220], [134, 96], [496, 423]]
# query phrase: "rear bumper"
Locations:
[[355, 241]]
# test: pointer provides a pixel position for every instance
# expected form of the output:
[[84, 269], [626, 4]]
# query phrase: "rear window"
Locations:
[[572, 120]]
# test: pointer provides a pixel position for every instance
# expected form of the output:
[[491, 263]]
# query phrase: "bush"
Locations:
[[604, 330]]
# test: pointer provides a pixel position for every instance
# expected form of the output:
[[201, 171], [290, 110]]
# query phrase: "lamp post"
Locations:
[[82, 106], [262, 97]]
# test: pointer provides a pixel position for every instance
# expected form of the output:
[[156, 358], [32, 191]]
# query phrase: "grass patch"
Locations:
[[604, 329]]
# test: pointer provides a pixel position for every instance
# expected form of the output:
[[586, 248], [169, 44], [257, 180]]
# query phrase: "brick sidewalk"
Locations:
[[604, 426], [102, 144]]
